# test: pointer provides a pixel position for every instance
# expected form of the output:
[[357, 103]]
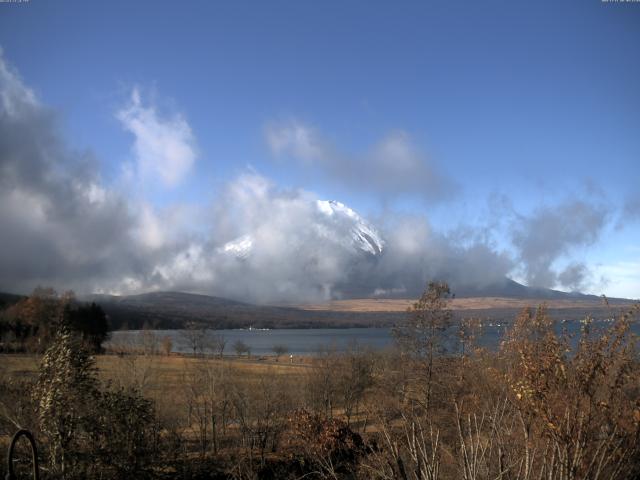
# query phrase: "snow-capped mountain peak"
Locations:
[[334, 222], [363, 235]]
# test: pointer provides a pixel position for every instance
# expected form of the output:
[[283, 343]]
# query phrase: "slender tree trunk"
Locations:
[[214, 436]]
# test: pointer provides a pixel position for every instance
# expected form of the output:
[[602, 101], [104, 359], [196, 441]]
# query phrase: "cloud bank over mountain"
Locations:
[[63, 225], [551, 232], [392, 167]]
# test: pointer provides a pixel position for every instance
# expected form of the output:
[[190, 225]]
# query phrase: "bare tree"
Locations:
[[353, 376], [280, 350], [421, 335], [410, 452], [469, 330], [207, 400], [261, 412], [194, 336], [149, 341], [240, 347], [217, 343], [167, 345], [133, 371], [321, 382]]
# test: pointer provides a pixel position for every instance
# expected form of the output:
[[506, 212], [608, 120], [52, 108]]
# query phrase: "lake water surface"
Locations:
[[310, 341]]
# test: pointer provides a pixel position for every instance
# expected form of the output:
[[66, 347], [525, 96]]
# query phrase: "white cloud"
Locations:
[[623, 279], [15, 96], [394, 166], [164, 146], [296, 139], [149, 230]]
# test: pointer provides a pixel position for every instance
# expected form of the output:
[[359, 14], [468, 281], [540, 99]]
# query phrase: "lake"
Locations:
[[310, 341]]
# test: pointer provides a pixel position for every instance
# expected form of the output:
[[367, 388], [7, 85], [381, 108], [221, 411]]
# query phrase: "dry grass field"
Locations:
[[167, 369], [459, 304], [180, 388], [162, 378]]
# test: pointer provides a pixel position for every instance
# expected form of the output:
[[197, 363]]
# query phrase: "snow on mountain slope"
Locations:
[[363, 235], [335, 222], [240, 247]]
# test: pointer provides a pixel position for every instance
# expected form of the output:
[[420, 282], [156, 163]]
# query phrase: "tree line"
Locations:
[[29, 324]]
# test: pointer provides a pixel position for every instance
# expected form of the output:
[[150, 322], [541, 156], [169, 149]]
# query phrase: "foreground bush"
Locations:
[[89, 432], [576, 398]]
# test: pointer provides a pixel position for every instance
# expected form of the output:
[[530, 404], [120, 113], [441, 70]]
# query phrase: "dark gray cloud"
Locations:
[[550, 233], [574, 276], [393, 167], [60, 225]]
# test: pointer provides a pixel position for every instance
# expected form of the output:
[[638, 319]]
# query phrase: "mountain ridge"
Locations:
[[175, 310], [170, 309]]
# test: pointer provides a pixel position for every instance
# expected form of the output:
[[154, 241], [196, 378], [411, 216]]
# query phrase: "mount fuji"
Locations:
[[334, 222]]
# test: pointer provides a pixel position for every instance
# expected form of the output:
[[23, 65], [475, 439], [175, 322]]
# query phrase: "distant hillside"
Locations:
[[505, 288], [7, 299], [171, 310], [508, 288]]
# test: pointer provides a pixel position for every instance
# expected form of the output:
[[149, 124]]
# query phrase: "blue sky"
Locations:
[[484, 119]]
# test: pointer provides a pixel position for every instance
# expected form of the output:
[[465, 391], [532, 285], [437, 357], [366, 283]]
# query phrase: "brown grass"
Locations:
[[481, 303], [168, 369]]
